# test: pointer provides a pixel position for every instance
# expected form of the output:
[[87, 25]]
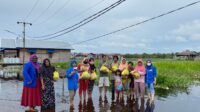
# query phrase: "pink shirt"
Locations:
[[142, 71]]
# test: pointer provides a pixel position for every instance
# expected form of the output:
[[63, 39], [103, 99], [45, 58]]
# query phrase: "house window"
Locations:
[[50, 55]]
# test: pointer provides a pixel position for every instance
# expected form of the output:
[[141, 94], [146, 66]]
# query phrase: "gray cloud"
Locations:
[[175, 32]]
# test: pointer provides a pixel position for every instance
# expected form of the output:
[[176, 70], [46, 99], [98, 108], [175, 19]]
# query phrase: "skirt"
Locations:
[[32, 96]]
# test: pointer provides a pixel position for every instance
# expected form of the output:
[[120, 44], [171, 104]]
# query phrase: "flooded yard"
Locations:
[[186, 101]]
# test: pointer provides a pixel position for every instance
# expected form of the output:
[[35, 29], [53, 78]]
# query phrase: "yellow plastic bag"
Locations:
[[56, 76], [135, 74], [85, 75], [93, 76], [104, 69], [114, 68], [124, 81], [125, 72]]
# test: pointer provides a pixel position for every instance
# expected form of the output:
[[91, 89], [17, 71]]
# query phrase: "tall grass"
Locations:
[[177, 74], [170, 73]]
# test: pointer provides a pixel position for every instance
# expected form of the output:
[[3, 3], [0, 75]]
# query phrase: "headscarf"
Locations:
[[72, 62], [36, 65], [122, 66], [84, 60], [140, 67]]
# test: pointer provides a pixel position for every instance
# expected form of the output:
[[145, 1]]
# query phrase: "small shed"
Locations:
[[186, 55]]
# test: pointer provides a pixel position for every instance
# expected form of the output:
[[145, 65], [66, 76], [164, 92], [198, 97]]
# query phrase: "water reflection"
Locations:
[[132, 106], [84, 107], [164, 93], [10, 93], [149, 107], [90, 105]]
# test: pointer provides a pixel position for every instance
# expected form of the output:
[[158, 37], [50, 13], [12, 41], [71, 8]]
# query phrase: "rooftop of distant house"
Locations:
[[34, 44]]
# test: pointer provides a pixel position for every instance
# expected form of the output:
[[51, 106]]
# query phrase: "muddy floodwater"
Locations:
[[166, 101]]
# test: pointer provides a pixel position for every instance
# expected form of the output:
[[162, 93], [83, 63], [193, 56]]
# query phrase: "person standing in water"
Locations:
[[48, 92], [72, 76], [103, 78], [83, 83], [91, 82], [131, 80], [150, 80], [139, 84], [31, 95], [124, 65], [114, 68]]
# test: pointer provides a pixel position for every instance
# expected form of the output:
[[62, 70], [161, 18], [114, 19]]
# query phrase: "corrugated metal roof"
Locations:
[[40, 44]]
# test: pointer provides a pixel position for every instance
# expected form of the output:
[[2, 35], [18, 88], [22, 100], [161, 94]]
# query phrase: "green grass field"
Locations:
[[171, 74], [177, 74]]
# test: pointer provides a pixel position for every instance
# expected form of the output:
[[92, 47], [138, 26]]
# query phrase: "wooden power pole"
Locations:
[[24, 36]]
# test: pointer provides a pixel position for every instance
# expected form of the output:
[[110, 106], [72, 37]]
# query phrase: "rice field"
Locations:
[[170, 73], [177, 74]]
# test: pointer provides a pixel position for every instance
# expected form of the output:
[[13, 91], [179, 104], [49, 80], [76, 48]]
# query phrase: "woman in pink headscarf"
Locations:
[[31, 95], [140, 82]]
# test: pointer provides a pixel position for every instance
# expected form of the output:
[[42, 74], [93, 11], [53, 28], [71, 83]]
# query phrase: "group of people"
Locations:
[[38, 89], [113, 77]]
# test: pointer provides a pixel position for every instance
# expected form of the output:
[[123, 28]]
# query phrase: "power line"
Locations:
[[16, 34], [56, 12], [13, 33], [80, 13], [76, 27], [50, 4], [139, 23], [36, 3], [83, 22]]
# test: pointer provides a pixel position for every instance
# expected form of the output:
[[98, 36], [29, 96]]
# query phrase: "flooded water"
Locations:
[[185, 101]]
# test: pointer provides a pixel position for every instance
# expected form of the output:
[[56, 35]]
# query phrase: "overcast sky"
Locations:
[[175, 32]]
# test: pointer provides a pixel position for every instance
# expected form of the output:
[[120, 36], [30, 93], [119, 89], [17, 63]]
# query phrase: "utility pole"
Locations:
[[24, 36]]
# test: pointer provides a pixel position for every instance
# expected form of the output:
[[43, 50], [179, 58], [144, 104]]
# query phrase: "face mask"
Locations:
[[148, 64], [75, 68]]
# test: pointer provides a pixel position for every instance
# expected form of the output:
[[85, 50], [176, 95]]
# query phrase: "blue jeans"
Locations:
[[150, 88]]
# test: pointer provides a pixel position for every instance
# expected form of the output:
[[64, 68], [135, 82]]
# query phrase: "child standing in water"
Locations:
[[118, 85], [123, 66]]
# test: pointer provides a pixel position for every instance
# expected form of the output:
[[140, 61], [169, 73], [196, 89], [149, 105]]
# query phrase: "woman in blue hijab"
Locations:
[[72, 75]]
